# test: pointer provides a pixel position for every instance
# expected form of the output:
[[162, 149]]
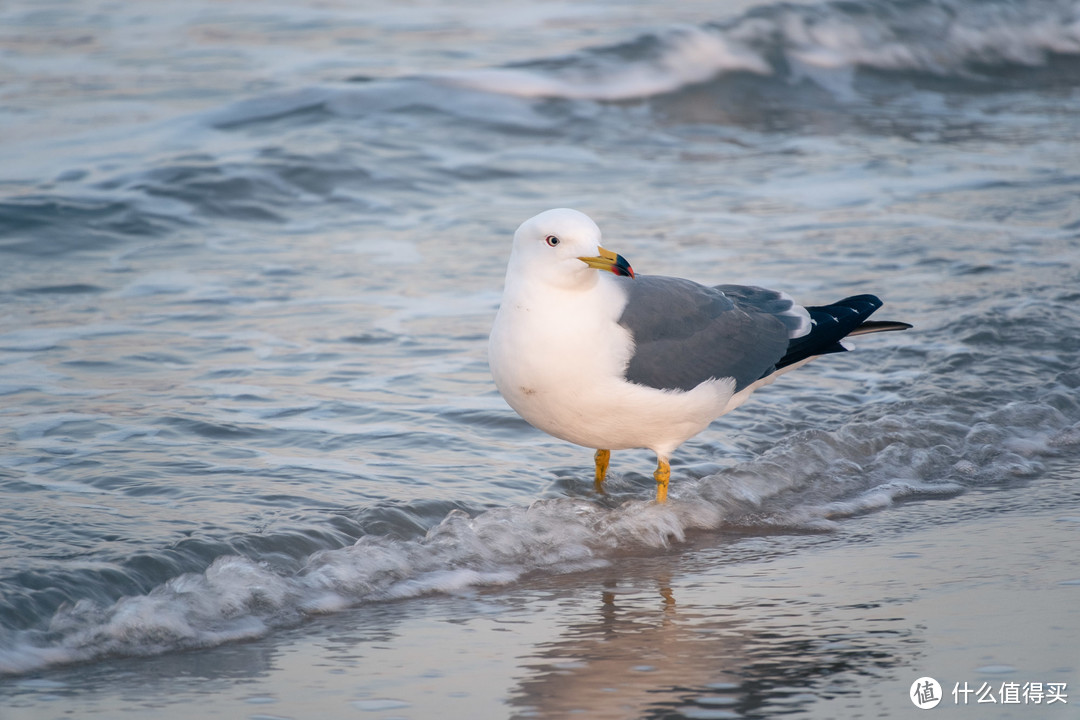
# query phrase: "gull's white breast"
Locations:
[[559, 358]]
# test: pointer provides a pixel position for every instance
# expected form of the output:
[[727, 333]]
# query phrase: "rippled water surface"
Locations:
[[249, 257]]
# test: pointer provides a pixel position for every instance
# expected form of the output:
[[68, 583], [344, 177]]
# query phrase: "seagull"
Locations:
[[590, 352]]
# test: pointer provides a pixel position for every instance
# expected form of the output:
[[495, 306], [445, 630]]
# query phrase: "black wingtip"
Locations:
[[832, 323]]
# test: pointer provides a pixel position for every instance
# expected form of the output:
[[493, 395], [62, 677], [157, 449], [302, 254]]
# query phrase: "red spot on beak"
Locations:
[[622, 267]]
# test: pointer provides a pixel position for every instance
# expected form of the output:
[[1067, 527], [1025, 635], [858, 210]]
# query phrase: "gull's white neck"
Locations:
[[547, 341]]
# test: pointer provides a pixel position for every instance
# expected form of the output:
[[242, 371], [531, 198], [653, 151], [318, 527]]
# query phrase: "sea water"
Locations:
[[249, 257]]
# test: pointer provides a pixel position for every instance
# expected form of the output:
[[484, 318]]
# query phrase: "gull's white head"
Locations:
[[562, 247]]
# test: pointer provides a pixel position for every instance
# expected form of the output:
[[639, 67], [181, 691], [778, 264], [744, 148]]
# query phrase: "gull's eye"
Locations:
[[551, 240]]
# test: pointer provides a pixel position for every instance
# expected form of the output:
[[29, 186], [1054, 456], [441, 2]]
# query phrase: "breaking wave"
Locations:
[[944, 38]]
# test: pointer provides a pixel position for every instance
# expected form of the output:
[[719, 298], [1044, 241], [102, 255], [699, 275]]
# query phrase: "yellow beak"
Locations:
[[612, 262]]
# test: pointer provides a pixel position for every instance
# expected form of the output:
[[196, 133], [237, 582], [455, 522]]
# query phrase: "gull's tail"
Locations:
[[832, 323]]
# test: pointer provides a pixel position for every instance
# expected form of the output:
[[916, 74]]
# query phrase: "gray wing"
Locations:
[[686, 333]]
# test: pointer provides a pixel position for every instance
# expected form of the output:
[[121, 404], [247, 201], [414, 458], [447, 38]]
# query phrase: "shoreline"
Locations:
[[703, 630]]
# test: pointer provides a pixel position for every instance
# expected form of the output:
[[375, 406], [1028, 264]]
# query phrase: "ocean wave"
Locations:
[[959, 39], [249, 190], [651, 65], [179, 192], [777, 65], [770, 55], [44, 225]]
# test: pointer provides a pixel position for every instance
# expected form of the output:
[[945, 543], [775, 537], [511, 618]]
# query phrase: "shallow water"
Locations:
[[250, 256]]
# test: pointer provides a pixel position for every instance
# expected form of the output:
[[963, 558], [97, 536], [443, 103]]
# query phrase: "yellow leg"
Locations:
[[602, 458], [662, 475]]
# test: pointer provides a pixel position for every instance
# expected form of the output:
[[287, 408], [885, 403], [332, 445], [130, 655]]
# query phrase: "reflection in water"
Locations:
[[664, 652]]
